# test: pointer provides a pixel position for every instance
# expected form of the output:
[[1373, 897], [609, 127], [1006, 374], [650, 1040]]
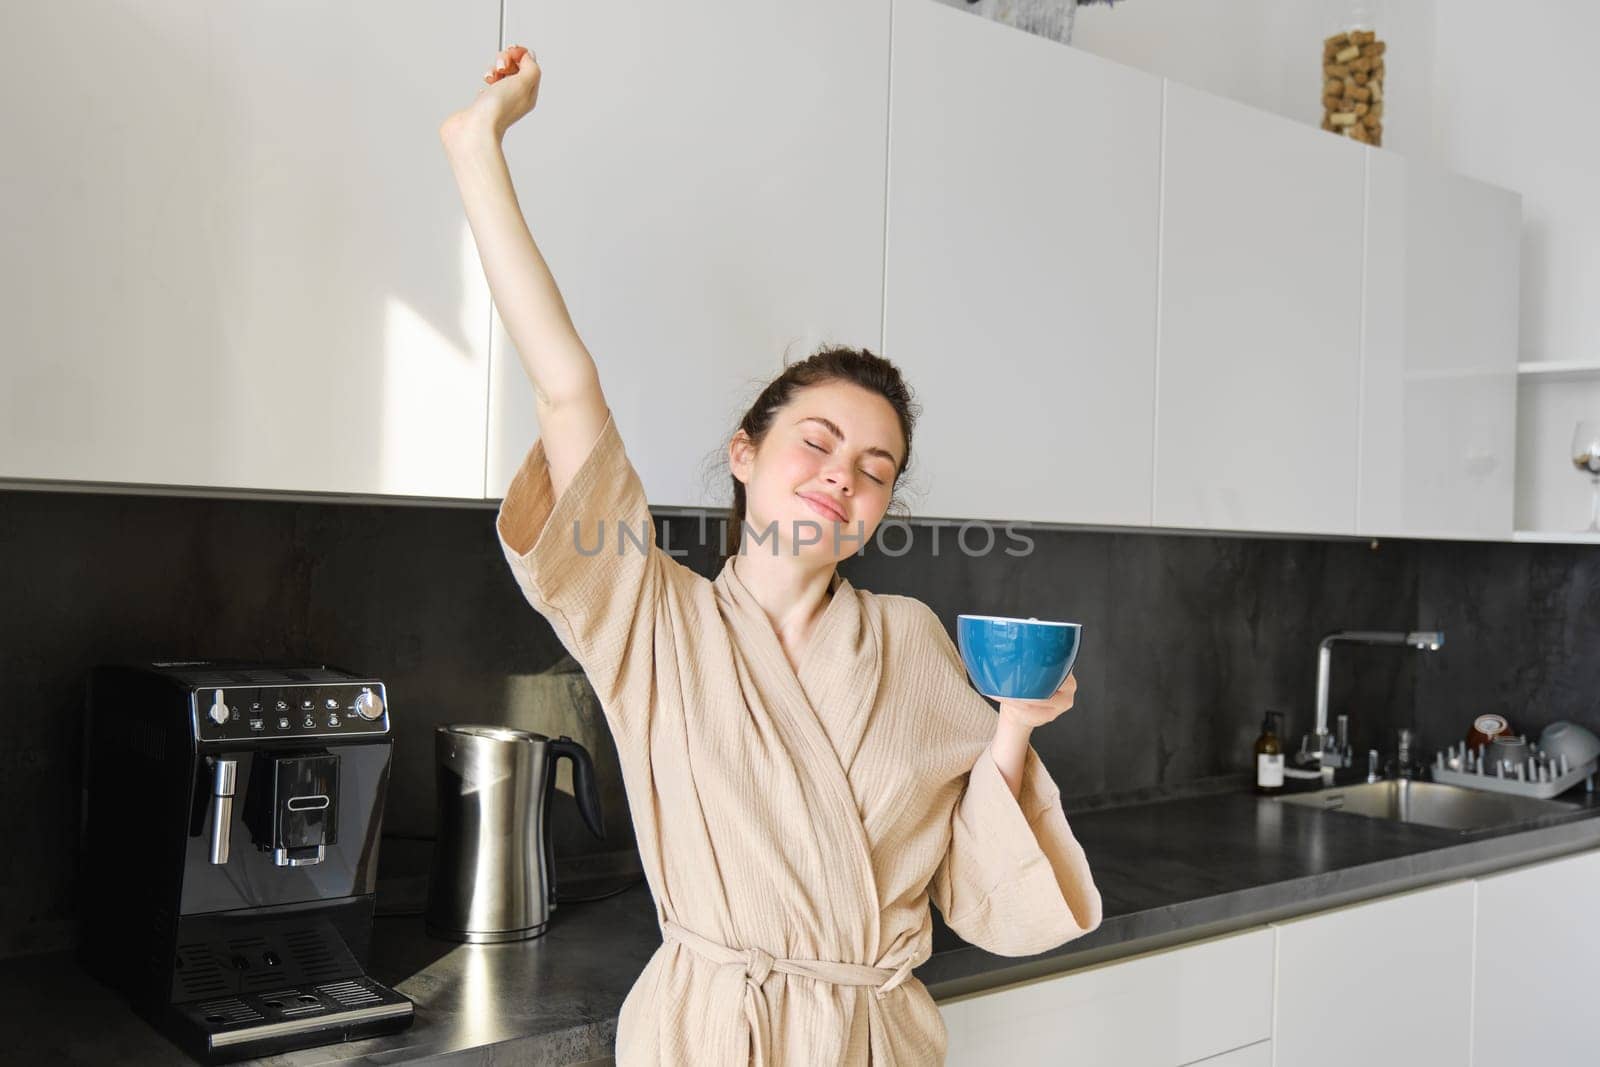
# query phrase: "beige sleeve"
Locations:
[[1014, 879], [589, 563]]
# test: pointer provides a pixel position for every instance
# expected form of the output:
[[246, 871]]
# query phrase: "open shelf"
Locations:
[[1558, 370], [1563, 537]]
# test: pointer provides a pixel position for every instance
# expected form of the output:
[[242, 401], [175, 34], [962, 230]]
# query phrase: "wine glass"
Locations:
[[1586, 457]]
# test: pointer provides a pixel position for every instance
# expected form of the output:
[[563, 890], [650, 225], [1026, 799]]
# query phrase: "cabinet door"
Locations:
[[1260, 327], [234, 253], [1537, 945], [1257, 1055], [1389, 982], [1439, 375], [705, 180], [1021, 271], [1160, 1010]]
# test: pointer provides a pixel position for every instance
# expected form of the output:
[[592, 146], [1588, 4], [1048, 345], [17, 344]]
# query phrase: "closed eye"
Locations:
[[868, 473]]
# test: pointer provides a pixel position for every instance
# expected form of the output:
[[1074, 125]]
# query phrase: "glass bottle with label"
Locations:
[[1269, 755]]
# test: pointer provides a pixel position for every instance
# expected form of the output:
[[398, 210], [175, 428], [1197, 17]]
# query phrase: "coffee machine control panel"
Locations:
[[239, 713]]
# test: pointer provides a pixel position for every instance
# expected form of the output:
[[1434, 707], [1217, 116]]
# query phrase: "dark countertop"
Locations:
[[1169, 872]]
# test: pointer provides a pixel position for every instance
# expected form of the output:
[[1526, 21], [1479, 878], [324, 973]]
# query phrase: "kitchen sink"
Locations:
[[1453, 807]]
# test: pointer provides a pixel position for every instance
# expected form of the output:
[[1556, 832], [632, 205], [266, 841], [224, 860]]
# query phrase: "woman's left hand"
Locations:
[[1031, 714]]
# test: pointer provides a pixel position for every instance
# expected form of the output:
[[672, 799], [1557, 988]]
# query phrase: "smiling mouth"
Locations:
[[823, 508]]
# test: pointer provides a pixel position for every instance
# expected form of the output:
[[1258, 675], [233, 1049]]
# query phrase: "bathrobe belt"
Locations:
[[757, 965]]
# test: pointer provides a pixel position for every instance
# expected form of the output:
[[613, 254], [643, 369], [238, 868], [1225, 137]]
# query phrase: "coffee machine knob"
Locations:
[[219, 709], [369, 705]]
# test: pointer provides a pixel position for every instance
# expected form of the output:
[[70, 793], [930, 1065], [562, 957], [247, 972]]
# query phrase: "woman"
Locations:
[[806, 764]]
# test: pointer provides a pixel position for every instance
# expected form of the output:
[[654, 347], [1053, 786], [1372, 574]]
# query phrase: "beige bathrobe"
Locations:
[[793, 826]]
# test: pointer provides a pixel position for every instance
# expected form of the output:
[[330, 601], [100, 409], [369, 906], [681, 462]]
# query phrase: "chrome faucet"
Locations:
[[1315, 747]]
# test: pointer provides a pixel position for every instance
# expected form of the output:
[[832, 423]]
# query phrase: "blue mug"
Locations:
[[1017, 659]]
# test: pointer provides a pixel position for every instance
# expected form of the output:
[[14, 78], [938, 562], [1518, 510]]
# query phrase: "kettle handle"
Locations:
[[583, 788]]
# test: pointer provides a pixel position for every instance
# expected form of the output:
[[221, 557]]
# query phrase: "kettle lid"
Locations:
[[489, 733]]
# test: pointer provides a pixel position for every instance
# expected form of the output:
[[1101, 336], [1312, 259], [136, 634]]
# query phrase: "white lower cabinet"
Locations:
[[1537, 941], [1165, 1009], [1486, 972], [1384, 982]]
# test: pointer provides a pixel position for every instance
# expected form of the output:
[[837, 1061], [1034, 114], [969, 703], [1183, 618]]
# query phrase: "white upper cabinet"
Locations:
[[706, 181], [1257, 1055], [236, 259], [1386, 983], [1439, 404], [1260, 321], [234, 253], [1021, 270], [1537, 943]]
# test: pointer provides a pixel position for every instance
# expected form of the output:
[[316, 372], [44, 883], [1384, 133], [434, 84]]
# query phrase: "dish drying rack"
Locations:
[[1539, 775]]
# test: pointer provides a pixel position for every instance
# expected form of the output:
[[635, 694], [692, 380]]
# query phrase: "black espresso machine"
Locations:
[[231, 825]]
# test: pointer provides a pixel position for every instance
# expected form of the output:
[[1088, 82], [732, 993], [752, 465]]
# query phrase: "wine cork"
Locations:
[[1352, 86]]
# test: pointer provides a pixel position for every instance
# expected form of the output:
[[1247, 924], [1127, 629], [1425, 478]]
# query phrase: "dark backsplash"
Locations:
[[1187, 640]]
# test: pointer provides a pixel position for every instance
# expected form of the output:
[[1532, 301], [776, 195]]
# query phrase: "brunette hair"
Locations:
[[832, 363]]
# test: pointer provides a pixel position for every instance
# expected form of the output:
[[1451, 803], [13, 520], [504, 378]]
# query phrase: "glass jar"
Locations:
[[1353, 70]]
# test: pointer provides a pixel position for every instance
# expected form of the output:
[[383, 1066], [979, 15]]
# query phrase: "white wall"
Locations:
[[1501, 93], [1268, 53], [1518, 109]]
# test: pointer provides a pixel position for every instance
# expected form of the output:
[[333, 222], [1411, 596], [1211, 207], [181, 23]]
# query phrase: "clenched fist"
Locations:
[[511, 89]]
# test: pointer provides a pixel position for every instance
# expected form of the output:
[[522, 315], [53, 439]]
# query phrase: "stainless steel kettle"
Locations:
[[493, 876]]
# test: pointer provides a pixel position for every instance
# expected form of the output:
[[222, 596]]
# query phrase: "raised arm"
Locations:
[[571, 407]]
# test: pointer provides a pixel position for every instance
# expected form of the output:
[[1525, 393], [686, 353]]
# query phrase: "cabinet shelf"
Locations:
[[1558, 370], [1560, 537]]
